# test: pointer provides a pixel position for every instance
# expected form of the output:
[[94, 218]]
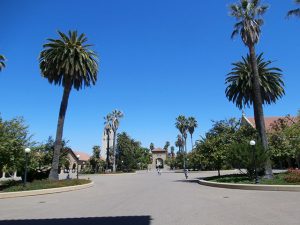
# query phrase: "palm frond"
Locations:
[[239, 85], [2, 62], [69, 60], [248, 13]]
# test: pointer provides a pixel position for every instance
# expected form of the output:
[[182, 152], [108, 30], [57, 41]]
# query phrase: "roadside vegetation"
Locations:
[[292, 177], [10, 186], [253, 81]]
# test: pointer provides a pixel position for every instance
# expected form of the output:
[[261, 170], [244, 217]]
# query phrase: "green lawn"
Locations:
[[242, 179], [11, 186]]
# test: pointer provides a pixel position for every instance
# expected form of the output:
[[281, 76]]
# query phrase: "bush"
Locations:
[[36, 175], [292, 176], [242, 156]]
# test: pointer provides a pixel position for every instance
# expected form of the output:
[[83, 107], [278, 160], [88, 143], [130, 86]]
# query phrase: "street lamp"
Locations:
[[78, 156], [27, 151], [252, 143]]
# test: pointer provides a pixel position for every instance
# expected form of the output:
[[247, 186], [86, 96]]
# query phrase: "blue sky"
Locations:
[[158, 59]]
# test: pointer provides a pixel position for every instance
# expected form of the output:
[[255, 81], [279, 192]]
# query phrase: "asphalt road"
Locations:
[[147, 198]]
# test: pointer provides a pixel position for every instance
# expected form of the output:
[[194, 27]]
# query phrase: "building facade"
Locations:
[[159, 156]]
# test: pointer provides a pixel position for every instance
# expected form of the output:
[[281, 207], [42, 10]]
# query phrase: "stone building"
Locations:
[[159, 157]]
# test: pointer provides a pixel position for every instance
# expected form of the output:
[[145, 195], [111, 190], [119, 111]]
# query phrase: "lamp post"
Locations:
[[187, 163], [78, 156], [252, 143], [27, 151]]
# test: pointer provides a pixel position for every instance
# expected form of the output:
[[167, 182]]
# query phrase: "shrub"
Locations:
[[292, 176], [242, 156]]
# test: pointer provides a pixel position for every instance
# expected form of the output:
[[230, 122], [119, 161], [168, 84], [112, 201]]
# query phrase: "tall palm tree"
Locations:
[[182, 125], [2, 62], [108, 129], [239, 88], [249, 21], [115, 117], [167, 145], [179, 143], [67, 61], [192, 124], [294, 12]]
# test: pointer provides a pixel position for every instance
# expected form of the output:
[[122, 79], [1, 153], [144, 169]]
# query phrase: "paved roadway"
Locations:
[[147, 198]]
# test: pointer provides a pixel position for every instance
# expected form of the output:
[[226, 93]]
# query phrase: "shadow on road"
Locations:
[[187, 180], [119, 220]]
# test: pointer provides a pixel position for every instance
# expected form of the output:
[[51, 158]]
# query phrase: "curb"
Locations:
[[108, 174], [44, 191], [259, 187]]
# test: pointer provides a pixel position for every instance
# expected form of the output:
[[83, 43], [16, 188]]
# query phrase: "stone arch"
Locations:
[[159, 163]]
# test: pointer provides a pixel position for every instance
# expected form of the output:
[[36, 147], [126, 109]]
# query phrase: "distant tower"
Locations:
[[104, 142]]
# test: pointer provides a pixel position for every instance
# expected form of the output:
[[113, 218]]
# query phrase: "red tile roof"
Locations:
[[269, 121], [158, 150], [83, 156]]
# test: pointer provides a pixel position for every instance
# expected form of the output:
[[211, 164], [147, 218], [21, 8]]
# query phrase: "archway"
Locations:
[[159, 163]]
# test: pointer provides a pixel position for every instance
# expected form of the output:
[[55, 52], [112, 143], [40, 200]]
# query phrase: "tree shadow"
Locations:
[[119, 220], [187, 180]]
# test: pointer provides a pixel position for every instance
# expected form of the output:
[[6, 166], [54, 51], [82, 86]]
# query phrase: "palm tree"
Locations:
[[192, 124], [179, 143], [115, 117], [172, 151], [240, 88], [182, 125], [294, 12], [67, 61], [167, 145], [151, 146], [249, 16], [2, 64], [108, 128]]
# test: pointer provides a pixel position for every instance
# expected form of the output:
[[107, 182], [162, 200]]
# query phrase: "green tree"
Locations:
[[67, 61], [294, 12], [115, 117], [182, 125], [2, 62], [214, 147], [192, 124], [284, 141], [240, 89], [167, 145], [179, 143], [151, 146], [95, 160], [41, 157], [130, 154], [249, 21], [172, 151], [108, 129], [244, 156], [14, 138]]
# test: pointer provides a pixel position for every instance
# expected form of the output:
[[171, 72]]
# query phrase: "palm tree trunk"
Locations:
[[59, 132], [192, 142], [258, 111], [185, 153], [114, 152], [107, 152]]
